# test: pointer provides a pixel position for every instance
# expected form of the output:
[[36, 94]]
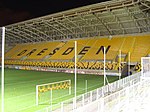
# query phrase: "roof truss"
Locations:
[[102, 19]]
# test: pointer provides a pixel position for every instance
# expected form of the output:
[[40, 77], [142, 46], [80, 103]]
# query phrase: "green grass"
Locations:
[[20, 87]]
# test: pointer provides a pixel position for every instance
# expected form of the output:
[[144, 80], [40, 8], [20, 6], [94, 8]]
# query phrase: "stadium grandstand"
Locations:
[[120, 29]]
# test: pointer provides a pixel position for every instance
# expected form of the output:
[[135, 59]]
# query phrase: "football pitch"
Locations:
[[20, 88]]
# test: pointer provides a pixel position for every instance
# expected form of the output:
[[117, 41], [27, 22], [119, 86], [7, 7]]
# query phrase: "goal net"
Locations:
[[145, 63], [47, 93]]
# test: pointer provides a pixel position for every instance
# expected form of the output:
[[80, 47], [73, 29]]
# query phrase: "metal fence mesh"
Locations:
[[105, 98]]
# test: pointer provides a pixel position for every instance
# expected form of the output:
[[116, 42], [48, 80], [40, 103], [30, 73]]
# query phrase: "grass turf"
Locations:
[[20, 87]]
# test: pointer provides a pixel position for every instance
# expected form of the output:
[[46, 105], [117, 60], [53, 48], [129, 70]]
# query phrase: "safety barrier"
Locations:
[[96, 95]]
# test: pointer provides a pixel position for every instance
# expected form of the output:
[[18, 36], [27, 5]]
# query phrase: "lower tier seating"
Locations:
[[70, 65]]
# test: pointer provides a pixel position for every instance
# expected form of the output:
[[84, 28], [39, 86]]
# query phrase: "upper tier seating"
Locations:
[[96, 51], [89, 52], [34, 51], [67, 52], [140, 48]]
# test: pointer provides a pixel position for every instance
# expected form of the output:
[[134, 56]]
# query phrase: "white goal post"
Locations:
[[44, 91]]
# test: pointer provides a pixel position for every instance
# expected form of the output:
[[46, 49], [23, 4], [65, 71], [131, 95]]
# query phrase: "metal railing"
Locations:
[[96, 95]]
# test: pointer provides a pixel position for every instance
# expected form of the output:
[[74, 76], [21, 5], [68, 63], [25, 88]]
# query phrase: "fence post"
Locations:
[[37, 95], [127, 94], [83, 100], [98, 104], [102, 105], [97, 94], [47, 109], [118, 102], [123, 82], [102, 91], [90, 96], [62, 106], [74, 104]]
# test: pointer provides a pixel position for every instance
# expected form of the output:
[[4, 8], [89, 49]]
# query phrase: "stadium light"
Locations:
[[104, 67], [75, 72], [2, 65]]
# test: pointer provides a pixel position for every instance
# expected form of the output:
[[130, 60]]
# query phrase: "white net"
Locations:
[[49, 93]]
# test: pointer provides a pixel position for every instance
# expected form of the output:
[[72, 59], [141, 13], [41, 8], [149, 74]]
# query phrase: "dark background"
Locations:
[[12, 11]]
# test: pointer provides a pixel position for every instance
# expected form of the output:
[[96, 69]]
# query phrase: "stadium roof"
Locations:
[[103, 19]]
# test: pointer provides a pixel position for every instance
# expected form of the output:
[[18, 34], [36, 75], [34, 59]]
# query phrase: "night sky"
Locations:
[[12, 11]]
